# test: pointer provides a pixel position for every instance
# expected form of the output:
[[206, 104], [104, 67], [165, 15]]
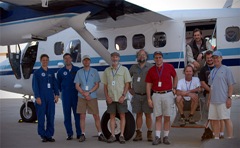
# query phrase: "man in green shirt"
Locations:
[[116, 79]]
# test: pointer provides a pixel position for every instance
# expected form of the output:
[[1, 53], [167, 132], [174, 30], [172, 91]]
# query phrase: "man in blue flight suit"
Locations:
[[45, 88], [65, 77]]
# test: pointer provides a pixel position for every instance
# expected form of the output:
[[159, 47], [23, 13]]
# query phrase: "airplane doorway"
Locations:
[[29, 59]]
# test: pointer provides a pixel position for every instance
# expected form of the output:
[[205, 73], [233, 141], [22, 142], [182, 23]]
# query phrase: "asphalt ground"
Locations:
[[24, 135]]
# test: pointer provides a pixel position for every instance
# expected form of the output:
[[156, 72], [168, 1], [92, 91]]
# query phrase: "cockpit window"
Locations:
[[159, 39], [232, 34], [121, 42], [138, 41], [74, 48], [58, 48]]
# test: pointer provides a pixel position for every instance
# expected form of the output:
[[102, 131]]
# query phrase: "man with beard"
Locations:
[[116, 79], [196, 49], [139, 101]]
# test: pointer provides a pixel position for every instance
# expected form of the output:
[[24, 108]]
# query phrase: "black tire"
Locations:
[[29, 115], [129, 127]]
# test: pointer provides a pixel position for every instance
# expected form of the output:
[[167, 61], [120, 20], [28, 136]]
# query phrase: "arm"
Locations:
[[229, 100], [189, 54], [175, 80], [126, 87], [59, 80], [205, 86], [55, 89], [149, 97], [108, 99], [36, 89]]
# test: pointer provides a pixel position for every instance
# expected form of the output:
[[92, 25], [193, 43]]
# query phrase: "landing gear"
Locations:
[[129, 127], [28, 111]]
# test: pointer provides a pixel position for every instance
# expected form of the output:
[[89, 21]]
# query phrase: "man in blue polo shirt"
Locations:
[[87, 82]]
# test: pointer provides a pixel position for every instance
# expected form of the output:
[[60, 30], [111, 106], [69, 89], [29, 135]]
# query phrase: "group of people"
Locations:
[[155, 89]]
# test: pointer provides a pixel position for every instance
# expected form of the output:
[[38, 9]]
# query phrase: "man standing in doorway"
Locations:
[[65, 77]]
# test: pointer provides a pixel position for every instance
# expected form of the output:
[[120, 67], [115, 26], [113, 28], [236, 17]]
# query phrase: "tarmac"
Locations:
[[24, 135]]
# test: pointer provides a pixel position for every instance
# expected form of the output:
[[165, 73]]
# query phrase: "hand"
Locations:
[[200, 56], [196, 65], [131, 92], [150, 103], [88, 98], [56, 99], [121, 99], [38, 100], [109, 100], [229, 103], [193, 96]]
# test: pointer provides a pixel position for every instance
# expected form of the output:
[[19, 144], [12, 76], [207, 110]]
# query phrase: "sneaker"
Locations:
[[191, 120], [69, 138], [82, 138], [121, 140], [157, 141], [221, 137], [111, 139], [182, 122], [102, 138], [165, 140]]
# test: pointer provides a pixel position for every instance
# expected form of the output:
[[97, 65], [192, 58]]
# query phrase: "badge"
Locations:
[[48, 85], [64, 73], [86, 87], [159, 84], [138, 79], [113, 83], [43, 74]]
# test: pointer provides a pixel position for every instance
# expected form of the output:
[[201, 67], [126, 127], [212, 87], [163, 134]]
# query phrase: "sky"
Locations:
[[164, 5]]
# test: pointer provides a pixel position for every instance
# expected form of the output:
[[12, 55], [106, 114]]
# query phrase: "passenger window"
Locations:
[[58, 48], [232, 34], [104, 42], [74, 48], [159, 39], [121, 43], [138, 41]]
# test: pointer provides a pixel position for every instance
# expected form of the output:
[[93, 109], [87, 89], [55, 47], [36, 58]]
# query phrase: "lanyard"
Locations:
[[113, 74], [159, 72], [188, 88], [86, 78], [214, 74]]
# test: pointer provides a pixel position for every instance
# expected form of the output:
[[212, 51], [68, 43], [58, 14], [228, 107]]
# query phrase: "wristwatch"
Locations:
[[123, 95], [230, 98]]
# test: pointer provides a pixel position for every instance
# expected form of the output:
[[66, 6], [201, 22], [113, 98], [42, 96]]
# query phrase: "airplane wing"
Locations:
[[53, 19]]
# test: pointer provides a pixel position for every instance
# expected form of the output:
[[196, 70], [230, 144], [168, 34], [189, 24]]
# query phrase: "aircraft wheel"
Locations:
[[129, 127], [28, 115]]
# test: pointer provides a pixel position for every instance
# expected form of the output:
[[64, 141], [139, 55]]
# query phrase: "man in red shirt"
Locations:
[[159, 80]]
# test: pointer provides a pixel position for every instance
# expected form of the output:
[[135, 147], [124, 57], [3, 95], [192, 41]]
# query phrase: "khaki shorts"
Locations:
[[218, 112], [163, 104], [87, 105]]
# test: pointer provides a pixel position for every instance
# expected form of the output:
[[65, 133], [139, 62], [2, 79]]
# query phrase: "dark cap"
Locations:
[[115, 54], [157, 52]]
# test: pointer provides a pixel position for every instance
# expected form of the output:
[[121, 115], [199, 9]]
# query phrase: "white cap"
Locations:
[[86, 57]]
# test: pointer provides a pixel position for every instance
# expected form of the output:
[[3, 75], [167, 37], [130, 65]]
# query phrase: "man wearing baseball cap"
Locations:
[[221, 82]]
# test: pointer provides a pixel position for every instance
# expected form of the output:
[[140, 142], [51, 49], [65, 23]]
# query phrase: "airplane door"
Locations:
[[29, 59], [14, 60]]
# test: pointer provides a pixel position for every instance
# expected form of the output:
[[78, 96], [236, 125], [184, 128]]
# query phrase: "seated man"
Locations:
[[187, 89]]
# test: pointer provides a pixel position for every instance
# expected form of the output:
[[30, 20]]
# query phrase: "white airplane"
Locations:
[[100, 28]]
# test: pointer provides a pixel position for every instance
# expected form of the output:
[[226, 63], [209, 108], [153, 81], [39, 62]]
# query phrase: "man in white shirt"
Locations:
[[187, 90]]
